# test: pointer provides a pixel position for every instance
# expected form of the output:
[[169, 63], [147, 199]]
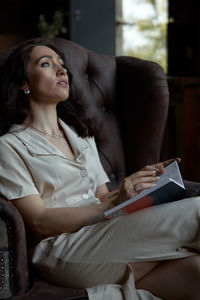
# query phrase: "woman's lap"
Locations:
[[102, 251]]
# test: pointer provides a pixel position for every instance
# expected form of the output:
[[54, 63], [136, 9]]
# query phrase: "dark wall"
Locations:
[[92, 24], [20, 16], [184, 38]]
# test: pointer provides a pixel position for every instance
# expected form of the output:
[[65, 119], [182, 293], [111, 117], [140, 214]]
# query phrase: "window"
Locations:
[[142, 29]]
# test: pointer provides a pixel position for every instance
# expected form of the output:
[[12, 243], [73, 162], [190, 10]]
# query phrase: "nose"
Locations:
[[61, 70]]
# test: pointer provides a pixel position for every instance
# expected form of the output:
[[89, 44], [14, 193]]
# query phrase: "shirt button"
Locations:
[[179, 249], [85, 196], [83, 173]]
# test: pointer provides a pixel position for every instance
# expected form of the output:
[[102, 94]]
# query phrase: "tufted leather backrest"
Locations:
[[128, 98], [94, 84]]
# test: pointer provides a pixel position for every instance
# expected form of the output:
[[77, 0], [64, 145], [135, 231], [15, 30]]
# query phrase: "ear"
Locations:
[[25, 86], [25, 89]]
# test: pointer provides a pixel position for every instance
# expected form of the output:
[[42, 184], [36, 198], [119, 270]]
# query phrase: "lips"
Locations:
[[63, 82]]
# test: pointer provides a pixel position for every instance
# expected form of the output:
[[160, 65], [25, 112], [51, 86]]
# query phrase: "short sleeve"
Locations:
[[102, 177], [15, 178]]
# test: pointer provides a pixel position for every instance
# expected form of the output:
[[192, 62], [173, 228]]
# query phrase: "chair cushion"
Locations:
[[42, 290]]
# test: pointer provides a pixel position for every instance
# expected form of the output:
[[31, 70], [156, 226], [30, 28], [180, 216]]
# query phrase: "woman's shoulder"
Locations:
[[6, 138], [10, 138], [7, 145]]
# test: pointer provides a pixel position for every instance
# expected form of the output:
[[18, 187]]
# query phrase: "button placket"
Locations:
[[84, 174]]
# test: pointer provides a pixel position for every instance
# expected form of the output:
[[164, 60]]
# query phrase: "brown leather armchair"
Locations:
[[128, 97]]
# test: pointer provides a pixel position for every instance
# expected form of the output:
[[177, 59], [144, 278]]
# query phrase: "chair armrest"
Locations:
[[192, 189], [13, 253]]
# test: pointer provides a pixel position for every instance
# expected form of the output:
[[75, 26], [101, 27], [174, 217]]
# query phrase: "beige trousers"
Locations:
[[98, 255]]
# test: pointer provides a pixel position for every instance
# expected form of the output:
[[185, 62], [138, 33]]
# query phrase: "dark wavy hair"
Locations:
[[14, 103]]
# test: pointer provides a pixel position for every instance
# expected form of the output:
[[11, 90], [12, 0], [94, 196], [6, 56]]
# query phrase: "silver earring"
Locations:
[[27, 91]]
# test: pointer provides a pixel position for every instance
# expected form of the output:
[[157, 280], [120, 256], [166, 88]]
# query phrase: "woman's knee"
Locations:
[[193, 202]]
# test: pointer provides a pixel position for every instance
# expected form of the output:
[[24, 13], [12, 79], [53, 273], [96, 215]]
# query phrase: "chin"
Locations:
[[63, 99]]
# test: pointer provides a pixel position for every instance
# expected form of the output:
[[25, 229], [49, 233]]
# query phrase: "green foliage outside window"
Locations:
[[154, 32], [54, 27]]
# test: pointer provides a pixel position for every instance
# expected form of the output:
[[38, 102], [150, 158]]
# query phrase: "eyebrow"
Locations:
[[47, 56]]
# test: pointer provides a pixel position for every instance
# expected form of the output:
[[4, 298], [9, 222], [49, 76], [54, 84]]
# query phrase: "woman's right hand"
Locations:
[[131, 186], [143, 179], [137, 182]]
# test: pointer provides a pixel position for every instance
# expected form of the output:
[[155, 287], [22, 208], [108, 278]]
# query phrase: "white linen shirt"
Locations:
[[31, 165]]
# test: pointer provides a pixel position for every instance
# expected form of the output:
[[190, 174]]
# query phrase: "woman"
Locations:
[[51, 172]]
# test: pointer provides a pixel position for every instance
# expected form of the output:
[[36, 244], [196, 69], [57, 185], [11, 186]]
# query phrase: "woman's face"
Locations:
[[48, 80]]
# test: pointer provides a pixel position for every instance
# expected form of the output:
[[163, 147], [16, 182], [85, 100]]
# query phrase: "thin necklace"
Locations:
[[52, 135]]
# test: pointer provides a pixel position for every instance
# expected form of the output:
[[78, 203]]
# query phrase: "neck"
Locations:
[[44, 119]]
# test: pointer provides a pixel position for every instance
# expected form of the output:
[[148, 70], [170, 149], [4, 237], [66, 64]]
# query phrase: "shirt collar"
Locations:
[[39, 145], [77, 143]]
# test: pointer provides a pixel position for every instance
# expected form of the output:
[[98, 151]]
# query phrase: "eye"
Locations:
[[62, 65], [45, 64]]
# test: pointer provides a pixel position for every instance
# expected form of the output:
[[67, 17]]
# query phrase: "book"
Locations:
[[168, 187]]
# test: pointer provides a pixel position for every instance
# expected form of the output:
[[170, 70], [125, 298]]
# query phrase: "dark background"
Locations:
[[92, 24], [184, 38]]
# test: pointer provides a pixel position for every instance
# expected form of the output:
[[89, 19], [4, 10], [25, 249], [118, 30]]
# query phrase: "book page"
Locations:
[[172, 171]]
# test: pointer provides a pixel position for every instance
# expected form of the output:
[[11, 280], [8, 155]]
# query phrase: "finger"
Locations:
[[157, 169], [138, 188], [141, 183], [169, 161], [142, 173], [160, 165], [113, 194], [141, 180], [178, 159]]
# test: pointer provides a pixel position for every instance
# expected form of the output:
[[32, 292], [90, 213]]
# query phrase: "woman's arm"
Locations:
[[52, 221], [45, 222]]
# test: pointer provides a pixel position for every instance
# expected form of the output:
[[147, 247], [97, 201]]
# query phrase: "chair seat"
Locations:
[[42, 290]]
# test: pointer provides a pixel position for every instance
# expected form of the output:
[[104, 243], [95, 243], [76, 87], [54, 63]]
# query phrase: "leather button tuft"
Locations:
[[113, 176]]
